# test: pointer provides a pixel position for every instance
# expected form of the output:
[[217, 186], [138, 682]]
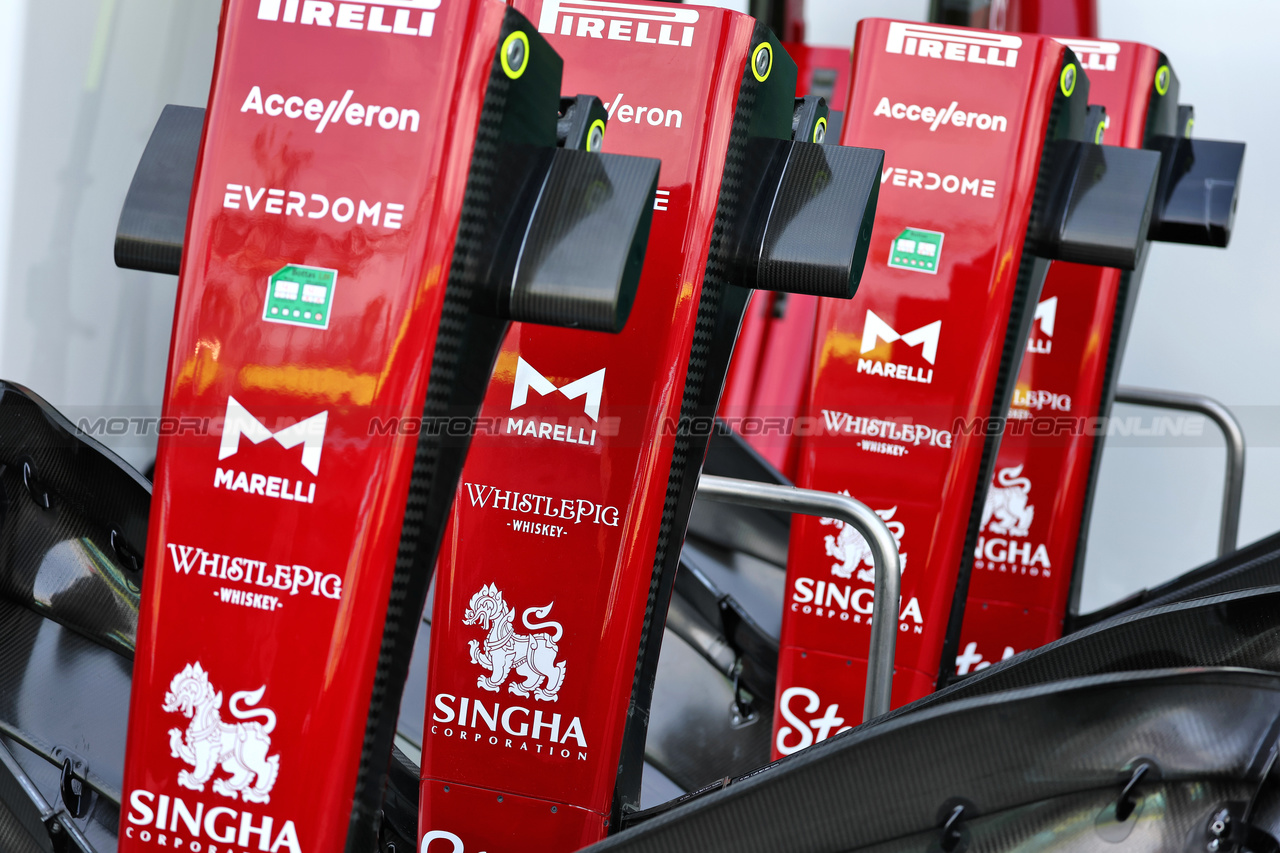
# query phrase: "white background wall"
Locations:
[[82, 81]]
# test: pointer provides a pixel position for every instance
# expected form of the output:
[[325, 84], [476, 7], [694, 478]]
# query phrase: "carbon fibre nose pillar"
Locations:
[[911, 380], [558, 564], [347, 274], [1028, 559]]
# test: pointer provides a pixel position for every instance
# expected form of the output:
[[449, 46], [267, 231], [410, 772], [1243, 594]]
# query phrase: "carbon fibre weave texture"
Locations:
[[14, 836], [70, 509], [823, 185], [878, 784], [1164, 819], [1235, 629], [59, 689], [580, 240]]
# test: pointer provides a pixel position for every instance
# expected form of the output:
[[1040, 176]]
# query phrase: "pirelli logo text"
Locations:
[[1094, 55], [395, 17], [644, 23], [957, 45]]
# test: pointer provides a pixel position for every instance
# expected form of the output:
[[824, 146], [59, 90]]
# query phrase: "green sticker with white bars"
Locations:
[[300, 296], [917, 249]]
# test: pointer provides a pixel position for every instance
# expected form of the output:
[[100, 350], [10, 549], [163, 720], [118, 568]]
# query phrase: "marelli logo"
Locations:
[[591, 387], [875, 330], [309, 433]]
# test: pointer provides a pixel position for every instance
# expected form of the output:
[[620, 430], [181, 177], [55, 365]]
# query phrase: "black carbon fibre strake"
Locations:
[[588, 230], [1254, 566], [818, 229], [153, 220], [1166, 817], [21, 830], [73, 524]]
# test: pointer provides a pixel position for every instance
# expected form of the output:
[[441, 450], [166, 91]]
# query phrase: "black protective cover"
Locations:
[[1006, 757]]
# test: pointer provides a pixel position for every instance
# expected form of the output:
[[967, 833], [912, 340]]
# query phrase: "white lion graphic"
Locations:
[[241, 748], [852, 550], [532, 656], [1006, 508]]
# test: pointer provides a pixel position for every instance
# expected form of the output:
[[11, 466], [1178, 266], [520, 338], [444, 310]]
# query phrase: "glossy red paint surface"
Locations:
[[558, 512], [785, 364], [1027, 549], [902, 366], [1068, 18], [259, 590], [769, 374], [743, 379]]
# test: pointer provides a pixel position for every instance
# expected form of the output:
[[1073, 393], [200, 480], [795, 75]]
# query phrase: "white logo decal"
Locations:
[[1094, 55], [1029, 398], [1047, 313], [652, 116], [239, 748], [925, 337], [279, 202], [931, 181], [441, 835], [533, 655], [309, 433], [626, 21], [356, 16], [941, 116], [901, 434], [280, 578], [337, 110], [971, 659], [591, 386], [842, 602], [853, 552], [161, 817], [1006, 512], [958, 45], [810, 732]]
